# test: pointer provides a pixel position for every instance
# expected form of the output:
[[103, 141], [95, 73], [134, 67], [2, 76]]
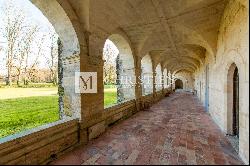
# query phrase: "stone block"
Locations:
[[96, 130]]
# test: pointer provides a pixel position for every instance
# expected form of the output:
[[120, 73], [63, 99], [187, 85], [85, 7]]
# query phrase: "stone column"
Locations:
[[69, 101], [60, 77], [163, 82], [138, 86], [162, 79], [167, 79], [120, 94], [92, 104], [171, 81], [154, 78]]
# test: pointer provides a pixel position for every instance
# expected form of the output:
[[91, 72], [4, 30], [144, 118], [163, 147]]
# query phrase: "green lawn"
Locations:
[[110, 96], [12, 93], [24, 113], [26, 108]]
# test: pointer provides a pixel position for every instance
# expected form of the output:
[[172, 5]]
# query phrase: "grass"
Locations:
[[30, 85], [25, 113], [110, 96], [11, 93], [25, 108]]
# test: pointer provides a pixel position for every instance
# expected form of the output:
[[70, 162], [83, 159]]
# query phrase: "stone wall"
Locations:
[[83, 32], [40, 145], [187, 80], [147, 74], [232, 48]]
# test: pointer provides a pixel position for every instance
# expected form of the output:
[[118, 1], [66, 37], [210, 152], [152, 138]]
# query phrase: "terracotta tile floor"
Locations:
[[176, 130]]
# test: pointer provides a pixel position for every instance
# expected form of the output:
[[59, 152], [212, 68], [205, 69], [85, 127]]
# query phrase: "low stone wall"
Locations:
[[39, 145], [146, 101], [93, 129], [159, 95], [167, 90]]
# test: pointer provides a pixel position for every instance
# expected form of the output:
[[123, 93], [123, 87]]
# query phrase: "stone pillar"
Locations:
[[162, 82], [167, 79], [162, 79], [92, 123], [138, 86], [92, 104], [120, 94], [154, 79], [171, 81], [60, 77], [69, 101]]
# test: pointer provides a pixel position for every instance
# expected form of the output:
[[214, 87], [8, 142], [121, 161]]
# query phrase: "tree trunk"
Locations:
[[8, 80], [18, 79]]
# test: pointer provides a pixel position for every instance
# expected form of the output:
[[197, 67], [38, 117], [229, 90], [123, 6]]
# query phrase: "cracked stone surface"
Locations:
[[176, 130]]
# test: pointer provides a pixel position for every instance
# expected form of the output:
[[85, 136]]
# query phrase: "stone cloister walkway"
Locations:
[[176, 130]]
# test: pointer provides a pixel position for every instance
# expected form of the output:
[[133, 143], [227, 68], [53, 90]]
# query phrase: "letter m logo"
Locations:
[[86, 82]]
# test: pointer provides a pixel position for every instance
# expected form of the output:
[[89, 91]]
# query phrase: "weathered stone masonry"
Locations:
[[183, 37]]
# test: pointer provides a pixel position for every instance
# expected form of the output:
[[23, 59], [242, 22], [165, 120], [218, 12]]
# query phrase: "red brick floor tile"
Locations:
[[176, 130]]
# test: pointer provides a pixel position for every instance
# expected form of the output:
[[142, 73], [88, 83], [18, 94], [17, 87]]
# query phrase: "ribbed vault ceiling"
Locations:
[[177, 33]]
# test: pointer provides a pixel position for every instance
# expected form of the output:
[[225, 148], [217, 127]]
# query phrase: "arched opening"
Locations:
[[69, 103], [147, 75], [119, 72], [34, 66], [165, 78], [236, 103], [233, 104], [158, 78], [178, 84]]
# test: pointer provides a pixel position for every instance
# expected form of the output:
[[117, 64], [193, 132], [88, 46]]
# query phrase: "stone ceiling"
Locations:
[[178, 33]]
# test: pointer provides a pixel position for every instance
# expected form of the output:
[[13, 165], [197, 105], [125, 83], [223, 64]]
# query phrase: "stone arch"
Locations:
[[187, 79], [235, 60], [63, 24], [233, 57], [165, 78], [72, 42], [243, 2], [147, 75], [158, 77], [232, 72], [194, 37], [125, 68], [178, 84]]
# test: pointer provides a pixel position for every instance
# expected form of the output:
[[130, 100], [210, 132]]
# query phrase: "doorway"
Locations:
[[236, 103], [233, 106], [178, 84]]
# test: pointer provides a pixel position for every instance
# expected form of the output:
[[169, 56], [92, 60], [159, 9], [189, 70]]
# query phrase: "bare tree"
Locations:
[[52, 60], [30, 64], [13, 27], [24, 51], [109, 64]]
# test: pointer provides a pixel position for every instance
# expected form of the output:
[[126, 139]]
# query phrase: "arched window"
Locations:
[[158, 78], [165, 76], [33, 66], [119, 73], [178, 84], [147, 75]]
